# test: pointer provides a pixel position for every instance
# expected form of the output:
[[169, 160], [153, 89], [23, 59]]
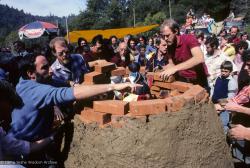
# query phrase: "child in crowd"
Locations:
[[136, 77], [225, 87]]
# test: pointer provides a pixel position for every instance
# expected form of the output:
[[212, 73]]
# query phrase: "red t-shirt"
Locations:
[[182, 52]]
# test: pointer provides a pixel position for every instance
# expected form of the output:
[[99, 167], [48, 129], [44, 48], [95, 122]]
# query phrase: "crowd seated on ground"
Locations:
[[47, 78]]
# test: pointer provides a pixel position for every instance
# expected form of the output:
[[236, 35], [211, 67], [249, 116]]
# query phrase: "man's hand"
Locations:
[[218, 108], [231, 106], [122, 86], [168, 72], [240, 132], [58, 115]]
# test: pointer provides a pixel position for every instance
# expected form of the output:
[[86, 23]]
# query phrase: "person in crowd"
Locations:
[[227, 46], [68, 68], [240, 130], [225, 87], [142, 41], [234, 30], [244, 37], [201, 39], [222, 33], [240, 48], [150, 47], [141, 57], [126, 38], [81, 42], [33, 121], [136, 77], [132, 48], [97, 47], [186, 54], [213, 60], [10, 147], [122, 58], [113, 43], [159, 59], [19, 49]]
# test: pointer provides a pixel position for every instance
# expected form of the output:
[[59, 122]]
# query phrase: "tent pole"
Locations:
[[67, 29]]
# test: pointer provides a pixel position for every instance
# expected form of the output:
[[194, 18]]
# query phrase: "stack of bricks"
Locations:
[[101, 73], [115, 112]]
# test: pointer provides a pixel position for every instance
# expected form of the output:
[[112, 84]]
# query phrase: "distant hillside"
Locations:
[[12, 19]]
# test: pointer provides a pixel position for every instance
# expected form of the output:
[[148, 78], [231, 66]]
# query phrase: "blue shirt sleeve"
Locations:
[[43, 95]]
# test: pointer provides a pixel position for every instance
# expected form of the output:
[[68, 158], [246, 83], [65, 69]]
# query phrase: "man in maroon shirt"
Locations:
[[234, 30], [186, 54]]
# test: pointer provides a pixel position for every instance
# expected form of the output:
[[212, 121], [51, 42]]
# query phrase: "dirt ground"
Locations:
[[191, 138]]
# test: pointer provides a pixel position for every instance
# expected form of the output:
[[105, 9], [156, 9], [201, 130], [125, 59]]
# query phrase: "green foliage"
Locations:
[[12, 36], [107, 14], [12, 19]]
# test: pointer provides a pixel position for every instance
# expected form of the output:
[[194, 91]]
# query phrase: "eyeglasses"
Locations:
[[62, 53]]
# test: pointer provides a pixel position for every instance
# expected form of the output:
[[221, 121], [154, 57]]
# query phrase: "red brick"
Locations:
[[189, 99], [105, 67], [197, 92], [157, 76], [95, 78], [174, 104], [119, 71], [91, 115], [116, 107], [157, 94], [147, 107], [155, 88], [162, 85], [174, 92], [181, 86]]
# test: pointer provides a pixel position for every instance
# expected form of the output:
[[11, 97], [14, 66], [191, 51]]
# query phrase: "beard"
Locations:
[[43, 79]]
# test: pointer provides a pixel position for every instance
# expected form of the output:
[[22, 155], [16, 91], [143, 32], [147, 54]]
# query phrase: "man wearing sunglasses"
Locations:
[[69, 68]]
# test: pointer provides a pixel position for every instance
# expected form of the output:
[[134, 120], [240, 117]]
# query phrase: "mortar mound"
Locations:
[[192, 137]]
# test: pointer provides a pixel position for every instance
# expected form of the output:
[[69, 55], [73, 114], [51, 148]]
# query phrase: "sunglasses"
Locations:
[[62, 53]]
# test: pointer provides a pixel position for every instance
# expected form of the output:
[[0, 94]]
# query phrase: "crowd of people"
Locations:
[[39, 85]]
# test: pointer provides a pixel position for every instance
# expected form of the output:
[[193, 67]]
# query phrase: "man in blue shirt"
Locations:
[[67, 67], [34, 119]]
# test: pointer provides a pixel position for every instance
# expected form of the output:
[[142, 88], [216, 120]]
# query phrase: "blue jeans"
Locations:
[[241, 150], [225, 119]]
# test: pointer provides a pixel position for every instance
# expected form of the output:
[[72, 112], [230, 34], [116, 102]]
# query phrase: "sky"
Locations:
[[46, 7]]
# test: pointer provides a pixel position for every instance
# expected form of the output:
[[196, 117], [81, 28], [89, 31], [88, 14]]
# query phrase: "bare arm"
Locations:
[[240, 132], [197, 58], [86, 91], [237, 108]]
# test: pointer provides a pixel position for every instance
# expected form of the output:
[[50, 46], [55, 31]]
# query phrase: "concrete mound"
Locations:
[[190, 138]]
